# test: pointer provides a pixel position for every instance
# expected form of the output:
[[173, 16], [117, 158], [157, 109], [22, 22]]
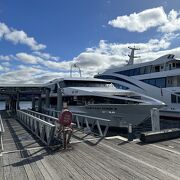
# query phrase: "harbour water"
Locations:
[[23, 105]]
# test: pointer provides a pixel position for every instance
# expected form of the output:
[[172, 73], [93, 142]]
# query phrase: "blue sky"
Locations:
[[40, 39]]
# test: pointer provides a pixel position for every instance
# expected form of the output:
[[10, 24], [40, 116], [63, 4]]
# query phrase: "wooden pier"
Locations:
[[26, 158]]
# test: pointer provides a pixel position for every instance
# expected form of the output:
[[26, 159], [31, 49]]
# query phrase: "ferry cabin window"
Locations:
[[158, 82], [157, 68], [170, 67], [177, 65], [118, 86], [152, 82], [147, 70], [87, 84], [136, 71], [131, 73], [173, 98], [161, 82], [142, 69], [178, 99]]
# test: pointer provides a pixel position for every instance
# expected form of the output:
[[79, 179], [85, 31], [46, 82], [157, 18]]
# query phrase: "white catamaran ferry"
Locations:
[[100, 98], [159, 79]]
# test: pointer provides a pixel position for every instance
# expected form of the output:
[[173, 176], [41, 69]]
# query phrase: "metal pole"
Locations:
[[155, 119], [59, 99], [33, 102], [17, 102], [47, 103], [39, 104]]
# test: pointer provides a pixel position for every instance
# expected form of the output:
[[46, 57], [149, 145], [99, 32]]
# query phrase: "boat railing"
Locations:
[[1, 133]]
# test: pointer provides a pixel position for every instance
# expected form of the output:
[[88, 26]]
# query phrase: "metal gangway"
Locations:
[[45, 127]]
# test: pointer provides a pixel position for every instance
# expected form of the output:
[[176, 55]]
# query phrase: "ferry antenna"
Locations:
[[132, 56]]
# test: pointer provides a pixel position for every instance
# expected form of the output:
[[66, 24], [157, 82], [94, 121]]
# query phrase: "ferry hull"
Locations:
[[120, 115]]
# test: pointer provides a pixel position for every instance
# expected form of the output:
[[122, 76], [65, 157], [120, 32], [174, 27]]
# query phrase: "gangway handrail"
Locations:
[[82, 119], [1, 126], [53, 111], [2, 130], [42, 129], [75, 114], [91, 117], [38, 115]]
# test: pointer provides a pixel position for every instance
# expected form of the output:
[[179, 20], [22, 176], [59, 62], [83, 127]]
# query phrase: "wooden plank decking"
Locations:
[[25, 158]]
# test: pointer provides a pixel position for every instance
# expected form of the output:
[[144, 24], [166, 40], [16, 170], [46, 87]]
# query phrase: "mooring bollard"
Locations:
[[130, 133]]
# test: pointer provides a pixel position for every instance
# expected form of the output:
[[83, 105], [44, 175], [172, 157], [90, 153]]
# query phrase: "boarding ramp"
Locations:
[[83, 125], [85, 122], [40, 128]]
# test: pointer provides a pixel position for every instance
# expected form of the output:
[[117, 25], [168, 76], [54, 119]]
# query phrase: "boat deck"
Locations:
[[26, 158]]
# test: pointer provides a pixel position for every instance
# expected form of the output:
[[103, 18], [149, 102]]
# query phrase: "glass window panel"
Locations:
[[173, 98]]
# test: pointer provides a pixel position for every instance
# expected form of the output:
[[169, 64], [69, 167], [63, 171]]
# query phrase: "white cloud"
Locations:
[[173, 23], [142, 21], [32, 59], [19, 37], [155, 17], [3, 68], [3, 29], [27, 58], [46, 56], [7, 64], [22, 38], [26, 75], [7, 57]]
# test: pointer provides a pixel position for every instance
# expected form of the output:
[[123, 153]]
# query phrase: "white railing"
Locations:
[[45, 117], [51, 112], [40, 128], [1, 132], [83, 122]]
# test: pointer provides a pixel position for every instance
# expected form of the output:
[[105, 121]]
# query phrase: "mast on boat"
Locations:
[[75, 65], [132, 56]]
